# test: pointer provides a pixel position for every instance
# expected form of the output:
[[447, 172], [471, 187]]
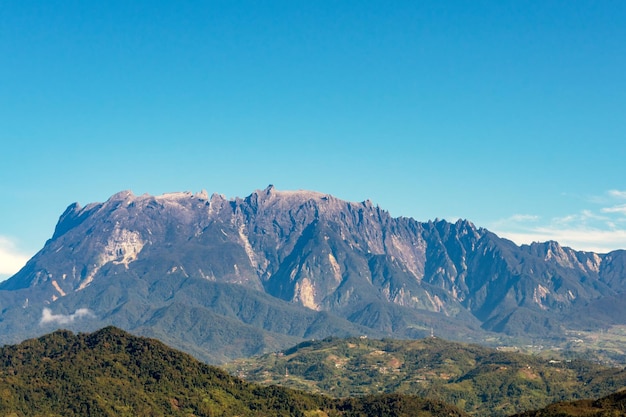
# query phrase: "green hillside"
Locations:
[[479, 380], [610, 406], [111, 373]]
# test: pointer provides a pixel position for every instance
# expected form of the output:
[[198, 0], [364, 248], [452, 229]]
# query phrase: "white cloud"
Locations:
[[48, 317], [11, 259], [524, 218], [615, 209], [609, 197], [587, 230], [514, 222], [570, 219], [593, 240], [617, 194]]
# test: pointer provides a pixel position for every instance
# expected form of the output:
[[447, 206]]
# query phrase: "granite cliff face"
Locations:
[[327, 265]]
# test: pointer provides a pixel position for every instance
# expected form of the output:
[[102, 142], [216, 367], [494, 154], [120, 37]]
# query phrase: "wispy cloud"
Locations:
[[615, 209], [524, 218], [48, 317], [617, 194], [593, 240], [11, 259], [600, 228]]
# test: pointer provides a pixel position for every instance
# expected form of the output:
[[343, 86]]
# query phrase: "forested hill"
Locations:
[[611, 405], [111, 373], [479, 380]]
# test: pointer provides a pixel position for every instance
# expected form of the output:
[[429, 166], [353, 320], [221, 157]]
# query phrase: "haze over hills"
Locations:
[[223, 278]]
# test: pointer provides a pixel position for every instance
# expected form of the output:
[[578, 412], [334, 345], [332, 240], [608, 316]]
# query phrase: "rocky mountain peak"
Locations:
[[122, 195], [314, 251]]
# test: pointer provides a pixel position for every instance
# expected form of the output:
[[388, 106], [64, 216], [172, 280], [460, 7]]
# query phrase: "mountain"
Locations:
[[111, 373], [223, 278]]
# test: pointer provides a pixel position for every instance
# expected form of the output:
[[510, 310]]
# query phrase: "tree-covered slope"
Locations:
[[479, 380], [111, 373], [613, 405]]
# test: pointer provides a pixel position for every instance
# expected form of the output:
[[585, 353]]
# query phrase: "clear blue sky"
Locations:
[[511, 114]]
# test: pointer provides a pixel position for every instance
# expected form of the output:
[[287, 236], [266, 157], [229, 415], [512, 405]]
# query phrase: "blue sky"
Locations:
[[509, 114]]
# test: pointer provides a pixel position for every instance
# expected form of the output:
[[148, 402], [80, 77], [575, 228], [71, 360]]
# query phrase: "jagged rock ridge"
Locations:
[[348, 265]]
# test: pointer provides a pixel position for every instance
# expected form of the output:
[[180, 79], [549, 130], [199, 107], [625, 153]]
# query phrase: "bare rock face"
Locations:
[[347, 267]]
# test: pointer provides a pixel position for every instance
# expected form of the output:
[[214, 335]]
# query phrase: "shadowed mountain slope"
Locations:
[[278, 267]]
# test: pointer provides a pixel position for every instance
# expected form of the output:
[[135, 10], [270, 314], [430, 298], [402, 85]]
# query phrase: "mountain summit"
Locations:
[[279, 266]]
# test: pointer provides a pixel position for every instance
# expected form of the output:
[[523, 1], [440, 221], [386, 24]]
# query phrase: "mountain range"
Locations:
[[224, 278]]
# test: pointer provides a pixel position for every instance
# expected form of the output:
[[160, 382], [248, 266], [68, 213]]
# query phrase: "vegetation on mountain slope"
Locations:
[[111, 373], [479, 380], [610, 406]]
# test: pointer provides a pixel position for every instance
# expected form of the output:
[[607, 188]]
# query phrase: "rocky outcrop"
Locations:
[[326, 255]]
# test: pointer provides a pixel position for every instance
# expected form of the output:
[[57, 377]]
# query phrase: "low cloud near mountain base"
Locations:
[[48, 317]]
